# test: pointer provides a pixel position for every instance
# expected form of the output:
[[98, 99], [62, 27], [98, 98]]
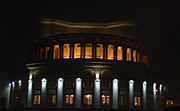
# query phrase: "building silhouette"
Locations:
[[87, 66]]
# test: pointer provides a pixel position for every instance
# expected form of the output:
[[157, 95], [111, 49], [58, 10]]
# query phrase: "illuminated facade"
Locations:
[[85, 65]]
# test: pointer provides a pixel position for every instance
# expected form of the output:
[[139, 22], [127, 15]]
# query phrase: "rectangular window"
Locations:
[[128, 54], [69, 99], [145, 59], [24, 100], [119, 53], [36, 99], [88, 99], [169, 102], [105, 100], [137, 101], [88, 51], [77, 50], [122, 101], [99, 51], [66, 51], [134, 55], [47, 52], [110, 54], [56, 54], [52, 99], [41, 53]]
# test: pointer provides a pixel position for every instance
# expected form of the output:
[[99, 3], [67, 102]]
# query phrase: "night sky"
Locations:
[[158, 26]]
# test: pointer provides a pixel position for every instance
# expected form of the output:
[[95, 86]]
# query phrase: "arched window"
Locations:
[[41, 53], [99, 51], [47, 52], [119, 53], [88, 51], [77, 50], [56, 52], [110, 54], [134, 55], [66, 51], [128, 54]]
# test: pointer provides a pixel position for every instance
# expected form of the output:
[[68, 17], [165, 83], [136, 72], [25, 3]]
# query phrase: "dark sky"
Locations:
[[159, 25]]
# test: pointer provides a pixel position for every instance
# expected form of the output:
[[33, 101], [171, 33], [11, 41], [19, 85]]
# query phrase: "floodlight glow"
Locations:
[[78, 79], [97, 76], [60, 79], [144, 83], [115, 80], [13, 83], [44, 81], [9, 84], [19, 81], [131, 81]]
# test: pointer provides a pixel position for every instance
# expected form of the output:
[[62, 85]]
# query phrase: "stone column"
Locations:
[[97, 89], [7, 93], [29, 98], [131, 94], [115, 52], [43, 92], [60, 93], [154, 95], [124, 53], [160, 95], [144, 95], [115, 94], [61, 50], [93, 51], [72, 51], [78, 93]]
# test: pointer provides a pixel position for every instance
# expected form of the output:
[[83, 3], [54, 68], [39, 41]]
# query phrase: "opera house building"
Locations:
[[87, 66]]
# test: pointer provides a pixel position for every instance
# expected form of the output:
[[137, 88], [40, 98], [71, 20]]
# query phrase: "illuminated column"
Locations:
[[160, 89], [154, 95], [43, 91], [29, 98], [20, 84], [131, 94], [8, 93], [60, 93], [115, 94], [144, 95], [78, 93], [97, 93], [160, 95]]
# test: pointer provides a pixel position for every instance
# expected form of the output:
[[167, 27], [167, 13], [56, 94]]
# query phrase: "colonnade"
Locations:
[[96, 96]]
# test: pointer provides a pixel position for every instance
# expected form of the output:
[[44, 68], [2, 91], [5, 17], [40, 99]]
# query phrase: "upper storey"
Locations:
[[51, 27]]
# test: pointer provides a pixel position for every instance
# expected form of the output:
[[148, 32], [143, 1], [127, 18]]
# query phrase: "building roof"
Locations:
[[50, 27]]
